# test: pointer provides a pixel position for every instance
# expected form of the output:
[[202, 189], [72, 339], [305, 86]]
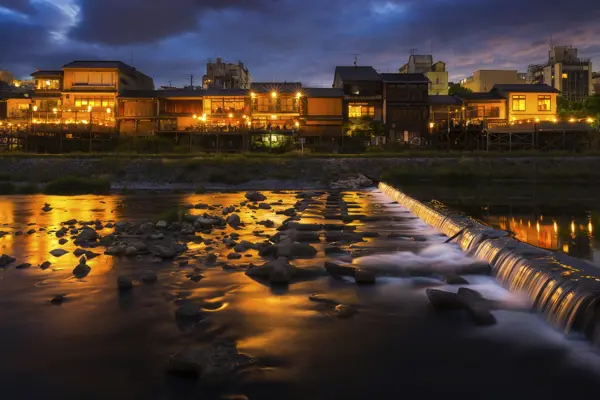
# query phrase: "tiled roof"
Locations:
[[357, 74], [281, 87], [408, 78], [97, 64], [481, 96], [48, 73]]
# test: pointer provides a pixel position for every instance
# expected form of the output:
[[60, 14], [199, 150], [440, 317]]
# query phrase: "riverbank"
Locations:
[[224, 172]]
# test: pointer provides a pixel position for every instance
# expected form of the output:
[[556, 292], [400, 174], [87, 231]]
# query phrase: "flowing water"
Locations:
[[104, 344]]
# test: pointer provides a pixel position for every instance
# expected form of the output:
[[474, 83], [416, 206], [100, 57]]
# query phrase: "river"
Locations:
[[105, 344]]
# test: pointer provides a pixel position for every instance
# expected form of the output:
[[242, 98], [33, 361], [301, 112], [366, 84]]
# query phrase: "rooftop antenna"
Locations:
[[356, 59], [413, 51]]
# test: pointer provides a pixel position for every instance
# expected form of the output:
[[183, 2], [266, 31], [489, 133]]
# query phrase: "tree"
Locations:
[[458, 89]]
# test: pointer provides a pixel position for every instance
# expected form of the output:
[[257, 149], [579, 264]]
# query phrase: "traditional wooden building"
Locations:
[[363, 92]]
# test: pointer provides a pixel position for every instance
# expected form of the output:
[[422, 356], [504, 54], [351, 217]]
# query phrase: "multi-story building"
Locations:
[[484, 80], [510, 103], [6, 76], [405, 105], [275, 104], [566, 72], [596, 82], [363, 92], [435, 72], [321, 112], [223, 75]]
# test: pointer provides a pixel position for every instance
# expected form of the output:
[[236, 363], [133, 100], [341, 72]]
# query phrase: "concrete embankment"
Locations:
[[565, 289], [272, 172]]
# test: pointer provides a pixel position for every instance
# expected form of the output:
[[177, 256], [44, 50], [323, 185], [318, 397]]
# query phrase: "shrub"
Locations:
[[7, 188], [29, 188], [77, 185]]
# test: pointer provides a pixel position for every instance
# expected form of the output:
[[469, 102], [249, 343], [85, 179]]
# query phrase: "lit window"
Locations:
[[518, 103], [544, 103], [359, 110], [564, 75]]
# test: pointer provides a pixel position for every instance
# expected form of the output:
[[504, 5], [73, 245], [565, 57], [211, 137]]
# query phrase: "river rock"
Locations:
[[277, 272], [444, 301], [115, 250], [201, 206], [476, 268], [215, 365], [344, 311], [255, 196], [157, 236], [233, 220], [31, 231], [78, 252], [47, 208], [72, 221], [58, 252], [266, 223], [86, 235], [211, 258], [45, 265], [149, 276], [23, 266], [62, 241], [109, 225], [58, 299], [243, 246], [90, 255], [82, 269], [477, 306], [188, 312], [302, 236], [295, 250], [164, 252], [6, 260], [454, 279], [62, 232], [362, 277], [234, 256], [161, 225], [131, 251], [124, 283], [19, 233], [195, 277], [264, 206], [338, 271]]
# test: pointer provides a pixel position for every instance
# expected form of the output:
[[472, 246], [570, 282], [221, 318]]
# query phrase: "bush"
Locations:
[[29, 188], [77, 185], [7, 188]]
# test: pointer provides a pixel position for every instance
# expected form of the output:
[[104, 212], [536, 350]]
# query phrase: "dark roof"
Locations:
[[357, 74], [98, 64], [444, 100], [48, 73], [281, 87], [481, 96], [525, 88], [180, 93], [323, 92], [139, 94], [225, 92], [408, 78], [10, 94]]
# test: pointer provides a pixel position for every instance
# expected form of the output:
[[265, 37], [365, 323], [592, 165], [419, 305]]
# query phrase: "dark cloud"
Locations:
[[295, 39], [122, 22]]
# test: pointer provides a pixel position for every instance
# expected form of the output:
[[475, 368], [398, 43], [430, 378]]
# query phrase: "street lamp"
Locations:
[[571, 120], [273, 94], [590, 120]]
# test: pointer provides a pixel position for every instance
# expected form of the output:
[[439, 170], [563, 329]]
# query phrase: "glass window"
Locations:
[[360, 110], [518, 103], [544, 103]]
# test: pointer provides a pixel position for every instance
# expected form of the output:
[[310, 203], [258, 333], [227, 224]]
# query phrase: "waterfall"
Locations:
[[564, 289]]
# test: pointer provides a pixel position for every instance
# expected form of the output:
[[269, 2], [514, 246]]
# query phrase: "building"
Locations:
[[363, 92], [596, 82], [484, 80], [435, 72], [512, 103], [566, 72], [405, 105], [322, 113], [6, 76], [221, 75]]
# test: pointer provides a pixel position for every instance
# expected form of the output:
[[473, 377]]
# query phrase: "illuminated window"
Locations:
[[564, 75], [360, 110], [518, 103], [544, 103]]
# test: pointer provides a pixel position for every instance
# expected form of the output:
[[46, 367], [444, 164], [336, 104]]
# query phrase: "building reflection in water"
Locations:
[[572, 236]]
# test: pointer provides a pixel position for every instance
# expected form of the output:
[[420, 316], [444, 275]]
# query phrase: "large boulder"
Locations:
[[289, 249], [234, 220], [164, 252], [82, 269], [445, 301], [277, 272], [255, 196], [58, 252], [338, 271]]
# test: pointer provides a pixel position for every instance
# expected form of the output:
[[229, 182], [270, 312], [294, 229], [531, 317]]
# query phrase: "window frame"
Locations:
[[519, 100], [544, 98]]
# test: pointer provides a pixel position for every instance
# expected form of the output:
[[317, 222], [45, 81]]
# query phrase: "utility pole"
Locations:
[[356, 59], [192, 80]]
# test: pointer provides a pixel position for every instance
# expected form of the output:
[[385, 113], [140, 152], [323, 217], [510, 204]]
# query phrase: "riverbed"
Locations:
[[102, 343]]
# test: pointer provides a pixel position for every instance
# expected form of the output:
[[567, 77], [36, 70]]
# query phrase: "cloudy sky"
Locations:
[[293, 40]]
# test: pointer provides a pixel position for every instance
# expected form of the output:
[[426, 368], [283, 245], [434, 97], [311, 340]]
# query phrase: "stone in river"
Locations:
[[157, 236], [211, 258], [124, 283], [149, 276], [201, 206], [62, 232], [234, 220], [188, 312], [344, 311], [62, 241], [264, 206], [454, 279], [31, 231], [362, 277], [70, 222], [18, 233], [234, 256], [58, 252], [255, 196], [82, 269], [295, 250], [161, 225], [337, 270], [86, 235], [58, 299], [6, 260], [23, 266], [115, 251], [79, 252], [164, 252], [442, 300], [45, 265], [131, 251], [243, 246], [195, 277]]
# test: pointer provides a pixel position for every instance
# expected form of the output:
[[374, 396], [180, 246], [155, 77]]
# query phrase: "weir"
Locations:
[[564, 289]]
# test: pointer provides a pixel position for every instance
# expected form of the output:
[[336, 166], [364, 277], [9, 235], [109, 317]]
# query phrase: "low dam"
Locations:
[[565, 289]]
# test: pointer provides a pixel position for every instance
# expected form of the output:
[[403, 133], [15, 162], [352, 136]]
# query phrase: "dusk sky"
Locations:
[[293, 40]]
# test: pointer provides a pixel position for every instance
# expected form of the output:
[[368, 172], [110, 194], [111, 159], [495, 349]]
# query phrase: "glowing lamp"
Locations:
[[89, 108], [230, 115], [273, 116], [590, 120], [571, 120], [273, 94], [108, 110], [297, 124], [35, 108], [431, 124]]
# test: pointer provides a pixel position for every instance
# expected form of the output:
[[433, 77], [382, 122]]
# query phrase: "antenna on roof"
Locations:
[[413, 51], [356, 59]]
